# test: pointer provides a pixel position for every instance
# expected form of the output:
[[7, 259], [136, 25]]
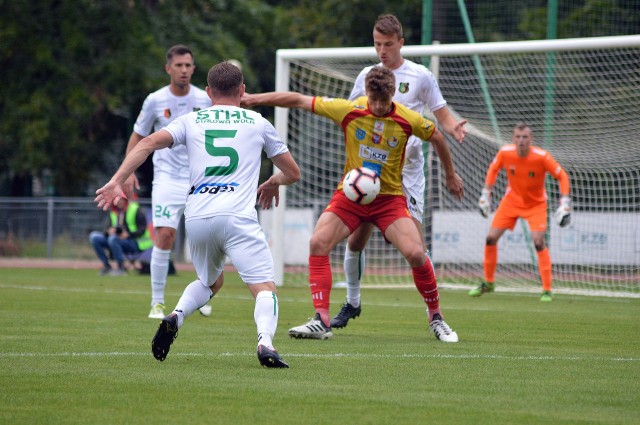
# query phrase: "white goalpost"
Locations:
[[582, 99]]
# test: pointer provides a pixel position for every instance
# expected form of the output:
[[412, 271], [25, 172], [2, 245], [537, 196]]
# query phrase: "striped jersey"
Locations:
[[417, 89], [378, 143]]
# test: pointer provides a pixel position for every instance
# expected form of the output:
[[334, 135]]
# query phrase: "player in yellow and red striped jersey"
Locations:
[[376, 133]]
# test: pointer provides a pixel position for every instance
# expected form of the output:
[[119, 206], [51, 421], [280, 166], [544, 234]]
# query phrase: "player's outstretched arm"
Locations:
[[453, 180], [132, 184], [113, 192], [285, 99], [450, 125], [288, 173]]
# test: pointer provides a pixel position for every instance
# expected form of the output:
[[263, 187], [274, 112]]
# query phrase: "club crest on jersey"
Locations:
[[376, 138], [512, 171], [167, 113], [360, 134], [532, 174], [392, 142], [403, 88], [378, 127]]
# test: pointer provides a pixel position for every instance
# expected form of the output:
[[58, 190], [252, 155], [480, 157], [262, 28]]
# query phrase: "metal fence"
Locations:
[[54, 227]]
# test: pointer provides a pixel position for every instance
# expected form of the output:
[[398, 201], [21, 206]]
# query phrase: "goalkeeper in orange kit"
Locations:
[[526, 167]]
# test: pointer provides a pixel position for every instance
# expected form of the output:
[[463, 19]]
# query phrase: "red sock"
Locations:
[[425, 281], [490, 262], [544, 267], [320, 285]]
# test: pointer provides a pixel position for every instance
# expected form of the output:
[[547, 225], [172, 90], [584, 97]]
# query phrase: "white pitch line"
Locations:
[[534, 308], [334, 355]]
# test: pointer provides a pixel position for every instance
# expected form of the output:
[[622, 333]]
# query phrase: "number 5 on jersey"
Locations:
[[210, 137]]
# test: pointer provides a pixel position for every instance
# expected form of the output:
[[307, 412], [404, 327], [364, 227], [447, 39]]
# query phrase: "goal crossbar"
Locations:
[[588, 114]]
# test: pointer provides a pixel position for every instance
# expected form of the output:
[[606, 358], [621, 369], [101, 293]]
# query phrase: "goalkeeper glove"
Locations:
[[484, 203], [563, 213]]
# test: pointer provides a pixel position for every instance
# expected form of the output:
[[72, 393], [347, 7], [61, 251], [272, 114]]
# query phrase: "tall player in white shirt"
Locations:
[[170, 166], [418, 89], [225, 144]]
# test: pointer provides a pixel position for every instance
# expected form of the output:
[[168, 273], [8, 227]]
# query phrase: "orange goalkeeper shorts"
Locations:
[[507, 215]]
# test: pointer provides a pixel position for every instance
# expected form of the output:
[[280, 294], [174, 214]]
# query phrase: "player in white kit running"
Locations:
[[170, 166], [224, 143], [416, 88]]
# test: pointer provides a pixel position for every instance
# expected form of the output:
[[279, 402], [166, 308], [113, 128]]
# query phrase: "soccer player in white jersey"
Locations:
[[416, 88], [225, 144], [170, 166]]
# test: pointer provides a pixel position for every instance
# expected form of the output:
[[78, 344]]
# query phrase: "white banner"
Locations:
[[591, 238], [298, 228]]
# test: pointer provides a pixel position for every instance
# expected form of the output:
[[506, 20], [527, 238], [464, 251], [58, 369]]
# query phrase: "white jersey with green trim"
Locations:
[[225, 145], [159, 109], [417, 89]]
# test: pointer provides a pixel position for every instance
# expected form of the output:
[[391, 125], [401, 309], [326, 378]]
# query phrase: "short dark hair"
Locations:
[[225, 79], [178, 49], [521, 126], [388, 25], [380, 81]]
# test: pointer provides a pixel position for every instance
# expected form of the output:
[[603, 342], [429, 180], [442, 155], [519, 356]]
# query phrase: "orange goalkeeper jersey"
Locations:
[[375, 142], [526, 175]]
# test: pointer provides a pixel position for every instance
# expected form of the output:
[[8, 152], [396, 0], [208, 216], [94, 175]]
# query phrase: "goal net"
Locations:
[[581, 98]]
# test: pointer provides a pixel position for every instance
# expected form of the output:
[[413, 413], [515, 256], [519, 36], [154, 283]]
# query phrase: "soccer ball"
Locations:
[[361, 185]]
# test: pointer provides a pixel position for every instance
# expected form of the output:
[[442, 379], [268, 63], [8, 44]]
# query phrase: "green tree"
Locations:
[[76, 73], [65, 87]]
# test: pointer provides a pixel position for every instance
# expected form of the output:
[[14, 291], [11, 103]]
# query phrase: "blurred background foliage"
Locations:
[[75, 72]]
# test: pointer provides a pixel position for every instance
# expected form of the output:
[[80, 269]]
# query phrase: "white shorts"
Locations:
[[413, 184], [168, 198], [211, 239]]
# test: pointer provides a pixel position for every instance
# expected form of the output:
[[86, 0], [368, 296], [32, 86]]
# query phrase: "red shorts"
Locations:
[[382, 212], [507, 214]]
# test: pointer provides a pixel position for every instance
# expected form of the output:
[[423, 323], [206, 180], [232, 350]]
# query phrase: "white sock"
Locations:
[[159, 271], [266, 316], [353, 267], [195, 295]]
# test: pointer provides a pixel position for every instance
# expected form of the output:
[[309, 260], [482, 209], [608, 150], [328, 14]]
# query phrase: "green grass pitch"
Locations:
[[75, 348]]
